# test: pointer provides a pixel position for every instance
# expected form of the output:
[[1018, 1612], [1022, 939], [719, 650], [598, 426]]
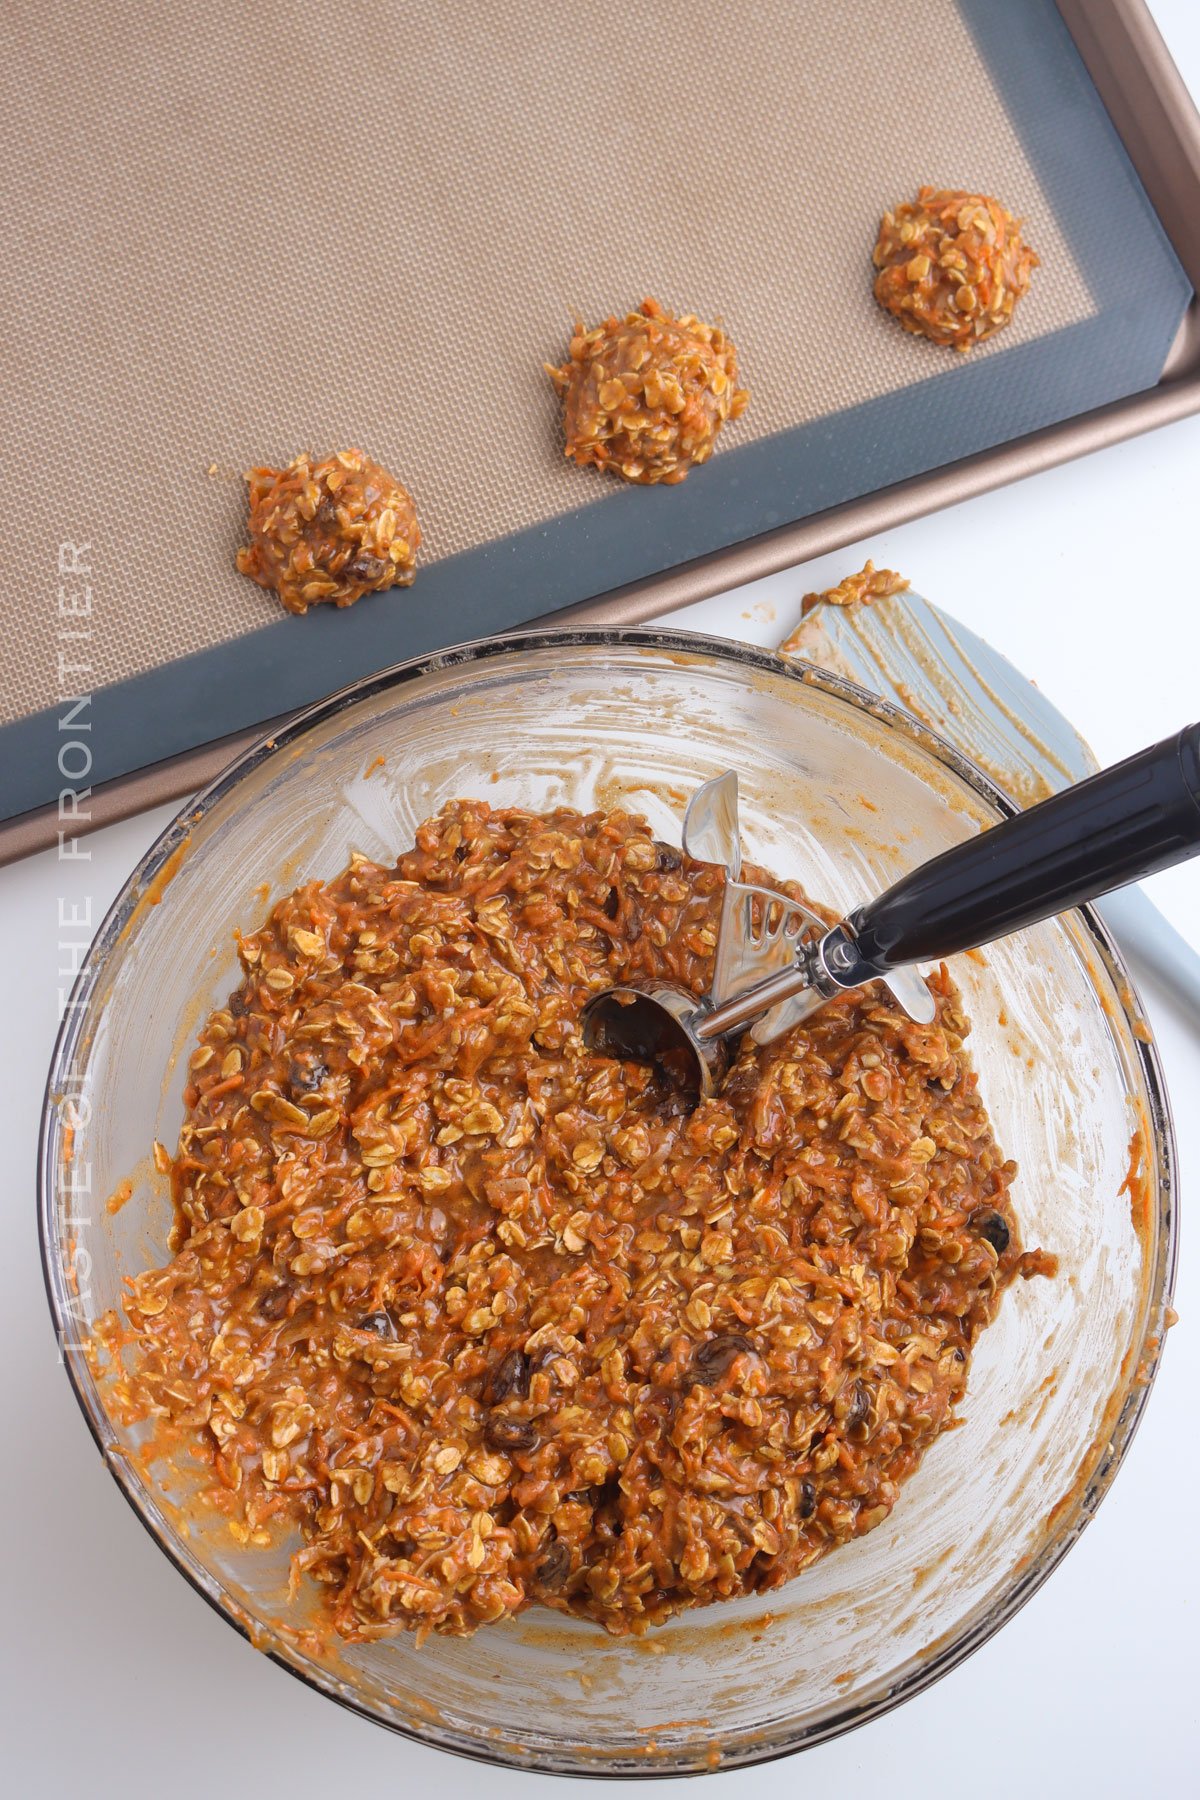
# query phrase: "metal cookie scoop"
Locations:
[[767, 966], [777, 962]]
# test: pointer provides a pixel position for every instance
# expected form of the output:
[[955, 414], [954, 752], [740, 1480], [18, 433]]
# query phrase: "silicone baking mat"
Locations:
[[235, 232]]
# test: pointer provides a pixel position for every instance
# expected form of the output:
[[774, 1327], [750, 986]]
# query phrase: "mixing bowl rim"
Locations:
[[1077, 1508]]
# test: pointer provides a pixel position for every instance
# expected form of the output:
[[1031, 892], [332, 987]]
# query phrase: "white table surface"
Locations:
[[120, 1681]]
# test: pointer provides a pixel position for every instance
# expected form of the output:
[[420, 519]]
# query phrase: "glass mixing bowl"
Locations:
[[844, 793]]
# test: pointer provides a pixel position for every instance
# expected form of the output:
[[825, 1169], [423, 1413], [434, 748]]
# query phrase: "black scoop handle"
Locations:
[[1129, 821]]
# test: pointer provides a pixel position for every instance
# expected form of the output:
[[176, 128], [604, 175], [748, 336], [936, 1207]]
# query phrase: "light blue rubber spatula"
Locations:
[[916, 656]]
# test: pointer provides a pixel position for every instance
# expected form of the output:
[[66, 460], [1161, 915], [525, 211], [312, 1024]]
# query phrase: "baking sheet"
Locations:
[[229, 243]]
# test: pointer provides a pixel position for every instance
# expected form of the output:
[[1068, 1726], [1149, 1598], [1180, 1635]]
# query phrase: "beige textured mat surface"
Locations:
[[234, 232]]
